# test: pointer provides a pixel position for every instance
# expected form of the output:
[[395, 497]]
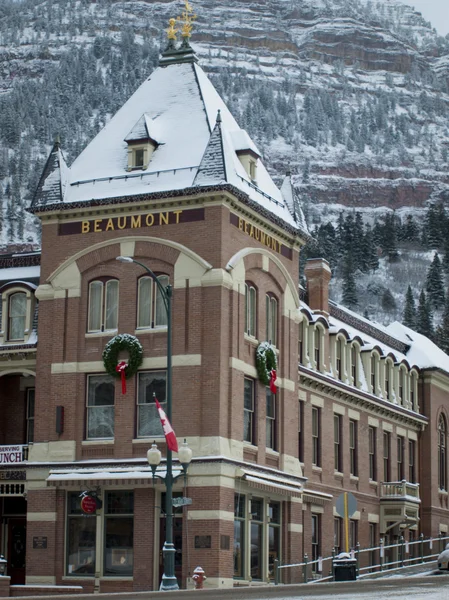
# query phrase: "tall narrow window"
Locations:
[[373, 374], [301, 343], [301, 431], [387, 380], [274, 536], [337, 443], [100, 407], [271, 440], [151, 384], [353, 533], [317, 347], [250, 309], [401, 385], [412, 391], [30, 415], [257, 541], [353, 447], [386, 456], [239, 535], [442, 456], [151, 311], [119, 534], [81, 538], [272, 318], [354, 365], [17, 311], [372, 435], [316, 540], [337, 535], [339, 359], [248, 412], [411, 461], [103, 305], [316, 426], [400, 457]]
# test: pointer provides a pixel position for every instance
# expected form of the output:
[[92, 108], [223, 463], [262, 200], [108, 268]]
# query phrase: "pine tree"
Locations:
[[409, 316], [434, 283], [349, 288], [442, 334], [424, 322], [388, 302]]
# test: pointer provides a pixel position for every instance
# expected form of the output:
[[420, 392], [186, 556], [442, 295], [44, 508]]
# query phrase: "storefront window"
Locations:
[[239, 534], [256, 537], [81, 532], [119, 530], [274, 536]]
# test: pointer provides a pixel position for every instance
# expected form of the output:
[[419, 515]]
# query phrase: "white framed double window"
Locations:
[[151, 385], [103, 305], [151, 311], [100, 407]]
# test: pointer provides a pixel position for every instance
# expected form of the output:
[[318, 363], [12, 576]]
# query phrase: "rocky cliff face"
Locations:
[[351, 95]]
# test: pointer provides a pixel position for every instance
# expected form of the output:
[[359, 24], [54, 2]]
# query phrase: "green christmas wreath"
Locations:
[[123, 342], [266, 361]]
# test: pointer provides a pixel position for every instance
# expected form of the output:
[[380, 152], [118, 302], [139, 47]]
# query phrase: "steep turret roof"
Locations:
[[177, 106]]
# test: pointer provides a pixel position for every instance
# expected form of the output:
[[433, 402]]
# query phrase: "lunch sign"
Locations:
[[11, 454]]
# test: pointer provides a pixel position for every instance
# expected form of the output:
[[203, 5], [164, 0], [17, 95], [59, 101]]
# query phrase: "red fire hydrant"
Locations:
[[199, 577]]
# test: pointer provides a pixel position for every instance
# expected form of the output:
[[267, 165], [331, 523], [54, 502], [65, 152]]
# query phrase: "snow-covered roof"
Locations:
[[19, 273], [177, 106], [423, 352]]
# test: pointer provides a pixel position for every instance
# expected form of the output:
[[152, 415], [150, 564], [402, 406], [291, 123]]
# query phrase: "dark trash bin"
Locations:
[[345, 567]]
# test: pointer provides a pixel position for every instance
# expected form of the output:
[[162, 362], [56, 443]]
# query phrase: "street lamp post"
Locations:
[[169, 581]]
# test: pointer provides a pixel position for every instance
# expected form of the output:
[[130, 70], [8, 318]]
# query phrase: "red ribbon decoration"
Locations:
[[120, 368], [273, 376]]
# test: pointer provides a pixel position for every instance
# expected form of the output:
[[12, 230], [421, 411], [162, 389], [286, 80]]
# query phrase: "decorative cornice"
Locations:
[[339, 391], [9, 261]]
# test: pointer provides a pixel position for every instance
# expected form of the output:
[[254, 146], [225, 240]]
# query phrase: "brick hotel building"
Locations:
[[175, 183]]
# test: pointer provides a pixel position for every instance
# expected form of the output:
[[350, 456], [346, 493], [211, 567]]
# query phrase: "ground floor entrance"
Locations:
[[13, 518]]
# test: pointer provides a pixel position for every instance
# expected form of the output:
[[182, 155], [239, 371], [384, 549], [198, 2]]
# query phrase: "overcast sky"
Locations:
[[435, 11]]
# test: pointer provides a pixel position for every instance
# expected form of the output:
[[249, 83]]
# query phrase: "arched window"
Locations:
[[317, 347], [401, 390], [373, 373], [388, 381], [17, 312], [250, 309], [272, 318], [339, 354], [151, 311], [442, 457], [103, 305]]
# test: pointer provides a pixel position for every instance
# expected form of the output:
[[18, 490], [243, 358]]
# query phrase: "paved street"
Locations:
[[415, 588]]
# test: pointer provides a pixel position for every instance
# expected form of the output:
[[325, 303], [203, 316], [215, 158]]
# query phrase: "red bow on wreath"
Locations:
[[120, 368], [273, 377]]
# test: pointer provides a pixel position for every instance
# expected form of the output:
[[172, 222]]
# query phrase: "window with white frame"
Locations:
[[249, 421], [337, 444], [373, 364], [151, 385], [317, 347], [16, 314], [388, 381], [339, 350], [386, 455], [272, 318], [151, 311], [411, 461], [30, 396], [354, 364], [271, 441], [353, 448], [316, 432], [401, 389], [442, 453], [250, 309], [372, 443], [316, 541], [100, 407], [103, 305], [400, 457]]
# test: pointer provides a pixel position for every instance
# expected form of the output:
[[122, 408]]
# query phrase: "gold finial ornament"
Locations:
[[187, 19], [172, 32]]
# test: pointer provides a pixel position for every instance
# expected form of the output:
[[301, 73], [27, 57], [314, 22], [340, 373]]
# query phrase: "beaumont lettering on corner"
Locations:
[[156, 219], [260, 236]]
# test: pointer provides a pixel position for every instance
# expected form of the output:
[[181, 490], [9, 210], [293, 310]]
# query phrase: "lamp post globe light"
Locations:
[[169, 581]]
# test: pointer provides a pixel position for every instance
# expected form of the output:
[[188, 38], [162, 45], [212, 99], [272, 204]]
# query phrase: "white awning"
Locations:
[[272, 484], [75, 477]]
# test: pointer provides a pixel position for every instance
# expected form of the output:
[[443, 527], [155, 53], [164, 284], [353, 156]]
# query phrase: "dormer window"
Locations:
[[141, 143], [247, 152]]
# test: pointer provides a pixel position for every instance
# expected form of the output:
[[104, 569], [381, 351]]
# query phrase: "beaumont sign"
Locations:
[[260, 236], [142, 221], [11, 454]]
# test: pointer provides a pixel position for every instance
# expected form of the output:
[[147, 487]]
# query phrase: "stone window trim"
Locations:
[[316, 347], [7, 292], [104, 320], [251, 297], [272, 318]]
